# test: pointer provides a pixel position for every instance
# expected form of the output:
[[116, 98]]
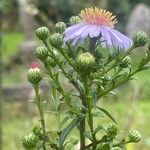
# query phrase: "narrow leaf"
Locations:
[[106, 113], [67, 130]]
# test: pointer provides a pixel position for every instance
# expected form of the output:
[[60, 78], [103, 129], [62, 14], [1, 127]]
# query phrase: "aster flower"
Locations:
[[97, 24]]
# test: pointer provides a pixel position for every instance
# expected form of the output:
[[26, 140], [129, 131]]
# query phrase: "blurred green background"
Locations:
[[131, 105]]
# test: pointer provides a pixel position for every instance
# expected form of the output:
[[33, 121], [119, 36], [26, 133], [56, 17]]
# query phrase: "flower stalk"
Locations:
[[41, 113]]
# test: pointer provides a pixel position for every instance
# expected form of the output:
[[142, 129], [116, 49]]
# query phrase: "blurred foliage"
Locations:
[[57, 10], [14, 39]]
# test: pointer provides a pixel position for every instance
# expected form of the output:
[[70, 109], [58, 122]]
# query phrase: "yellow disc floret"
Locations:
[[98, 16]]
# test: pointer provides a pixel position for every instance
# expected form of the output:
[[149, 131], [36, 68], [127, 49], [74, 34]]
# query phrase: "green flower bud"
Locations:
[[56, 40], [50, 61], [34, 76], [140, 38], [37, 131], [125, 62], [74, 20], [60, 27], [74, 140], [134, 136], [29, 141], [112, 131], [85, 62], [41, 52], [42, 33]]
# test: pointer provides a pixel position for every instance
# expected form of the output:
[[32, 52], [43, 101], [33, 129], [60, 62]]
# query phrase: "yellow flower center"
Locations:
[[98, 16]]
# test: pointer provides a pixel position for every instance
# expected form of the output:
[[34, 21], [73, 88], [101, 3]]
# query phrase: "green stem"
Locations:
[[91, 126], [41, 112], [116, 63], [82, 128], [89, 107], [121, 143], [96, 143]]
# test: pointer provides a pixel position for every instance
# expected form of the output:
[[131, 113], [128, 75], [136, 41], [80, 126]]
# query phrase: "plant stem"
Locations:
[[82, 128], [96, 143], [41, 112], [89, 107], [116, 63]]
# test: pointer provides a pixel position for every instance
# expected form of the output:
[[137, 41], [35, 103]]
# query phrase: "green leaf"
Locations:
[[88, 135], [100, 127], [98, 114], [147, 67], [106, 113], [142, 62], [67, 130], [64, 120]]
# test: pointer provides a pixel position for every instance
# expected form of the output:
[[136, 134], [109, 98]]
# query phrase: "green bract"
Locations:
[[60, 27], [34, 76], [29, 141], [74, 20], [134, 136], [85, 62], [41, 52], [42, 33], [56, 40], [140, 38], [125, 62]]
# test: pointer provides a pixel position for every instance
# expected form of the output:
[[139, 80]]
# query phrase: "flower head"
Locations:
[[34, 76], [85, 62], [97, 23], [134, 136]]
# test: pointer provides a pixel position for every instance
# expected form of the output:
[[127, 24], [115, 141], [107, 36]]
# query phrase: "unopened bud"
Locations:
[[42, 33], [41, 52], [34, 76], [29, 141], [37, 131], [134, 136], [74, 20], [56, 40], [125, 62], [140, 38], [60, 27], [85, 62], [112, 131]]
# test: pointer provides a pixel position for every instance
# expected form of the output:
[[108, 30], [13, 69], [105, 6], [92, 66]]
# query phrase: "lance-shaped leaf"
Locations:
[[106, 113], [68, 129]]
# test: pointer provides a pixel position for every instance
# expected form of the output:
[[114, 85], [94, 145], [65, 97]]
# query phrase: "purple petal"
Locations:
[[119, 39], [94, 31], [73, 27], [106, 37]]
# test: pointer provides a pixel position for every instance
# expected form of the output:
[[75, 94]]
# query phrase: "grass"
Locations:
[[11, 41], [19, 118]]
